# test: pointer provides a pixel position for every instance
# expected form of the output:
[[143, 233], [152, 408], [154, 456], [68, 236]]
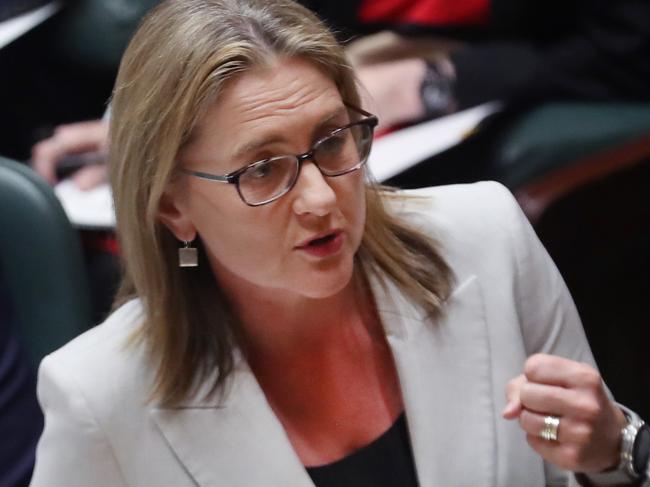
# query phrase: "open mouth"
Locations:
[[322, 240], [324, 245]]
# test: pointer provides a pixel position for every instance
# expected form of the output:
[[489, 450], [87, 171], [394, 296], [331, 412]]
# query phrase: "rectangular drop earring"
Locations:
[[188, 256]]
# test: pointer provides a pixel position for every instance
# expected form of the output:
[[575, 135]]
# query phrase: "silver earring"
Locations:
[[188, 256]]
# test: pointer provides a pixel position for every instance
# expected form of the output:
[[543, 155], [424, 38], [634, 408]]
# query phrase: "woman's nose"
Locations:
[[313, 194]]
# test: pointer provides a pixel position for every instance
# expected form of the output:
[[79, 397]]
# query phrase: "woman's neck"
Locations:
[[324, 365], [327, 372], [280, 324]]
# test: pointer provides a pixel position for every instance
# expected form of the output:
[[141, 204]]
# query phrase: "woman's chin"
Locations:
[[326, 284]]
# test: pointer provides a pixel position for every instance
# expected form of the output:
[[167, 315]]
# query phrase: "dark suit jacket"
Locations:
[[21, 420]]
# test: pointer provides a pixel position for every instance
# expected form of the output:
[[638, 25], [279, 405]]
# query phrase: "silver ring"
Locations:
[[551, 425]]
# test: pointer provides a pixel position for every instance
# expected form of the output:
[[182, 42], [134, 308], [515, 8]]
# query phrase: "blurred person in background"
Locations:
[[433, 57], [62, 70]]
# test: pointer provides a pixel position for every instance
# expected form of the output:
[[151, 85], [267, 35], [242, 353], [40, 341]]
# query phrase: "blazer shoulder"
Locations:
[[106, 360], [113, 333], [477, 215], [476, 200]]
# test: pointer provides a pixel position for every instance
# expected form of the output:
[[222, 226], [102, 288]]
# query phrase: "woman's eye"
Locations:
[[261, 171], [333, 144]]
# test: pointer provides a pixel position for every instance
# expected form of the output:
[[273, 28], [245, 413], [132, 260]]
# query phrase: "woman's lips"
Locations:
[[324, 245]]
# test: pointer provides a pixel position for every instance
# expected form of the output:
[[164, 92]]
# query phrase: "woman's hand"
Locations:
[[588, 436]]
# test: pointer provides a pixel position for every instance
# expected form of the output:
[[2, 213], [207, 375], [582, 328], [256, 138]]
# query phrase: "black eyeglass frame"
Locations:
[[233, 178]]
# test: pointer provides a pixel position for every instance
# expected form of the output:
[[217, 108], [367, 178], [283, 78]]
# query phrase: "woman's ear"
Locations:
[[172, 212]]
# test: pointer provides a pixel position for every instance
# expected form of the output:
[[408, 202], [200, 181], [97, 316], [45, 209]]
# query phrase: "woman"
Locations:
[[280, 326]]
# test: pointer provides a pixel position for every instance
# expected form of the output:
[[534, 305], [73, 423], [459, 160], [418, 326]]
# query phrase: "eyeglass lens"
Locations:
[[335, 155]]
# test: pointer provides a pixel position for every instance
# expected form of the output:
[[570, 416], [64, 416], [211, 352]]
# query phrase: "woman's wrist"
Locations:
[[437, 88], [408, 90], [634, 454]]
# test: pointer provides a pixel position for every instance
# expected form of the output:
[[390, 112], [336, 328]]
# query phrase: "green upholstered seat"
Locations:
[[556, 134], [41, 262]]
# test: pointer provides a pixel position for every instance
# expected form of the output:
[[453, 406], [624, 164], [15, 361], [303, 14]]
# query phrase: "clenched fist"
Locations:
[[590, 423]]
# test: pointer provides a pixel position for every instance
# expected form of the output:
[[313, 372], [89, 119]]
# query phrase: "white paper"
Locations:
[[397, 151], [89, 209], [12, 29]]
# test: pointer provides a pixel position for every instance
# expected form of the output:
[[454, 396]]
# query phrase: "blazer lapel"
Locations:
[[444, 369], [235, 442]]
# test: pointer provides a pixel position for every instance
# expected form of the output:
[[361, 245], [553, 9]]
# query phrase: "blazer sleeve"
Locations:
[[73, 451], [546, 313]]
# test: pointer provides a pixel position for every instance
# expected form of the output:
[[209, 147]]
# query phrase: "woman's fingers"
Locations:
[[563, 455], [569, 430], [513, 408], [559, 371], [588, 433], [560, 400]]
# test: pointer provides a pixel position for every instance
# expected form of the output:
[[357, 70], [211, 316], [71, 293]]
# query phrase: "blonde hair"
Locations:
[[173, 69]]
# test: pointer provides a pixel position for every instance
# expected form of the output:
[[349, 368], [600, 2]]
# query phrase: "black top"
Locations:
[[385, 462]]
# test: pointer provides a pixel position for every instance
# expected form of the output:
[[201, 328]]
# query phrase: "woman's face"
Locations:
[[302, 244]]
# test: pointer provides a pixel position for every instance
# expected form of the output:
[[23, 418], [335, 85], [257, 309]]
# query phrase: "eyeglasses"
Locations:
[[343, 151]]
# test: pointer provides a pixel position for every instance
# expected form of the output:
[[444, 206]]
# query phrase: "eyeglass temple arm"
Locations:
[[359, 110], [211, 177]]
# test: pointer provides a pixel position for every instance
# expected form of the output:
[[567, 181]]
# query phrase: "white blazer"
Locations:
[[509, 302]]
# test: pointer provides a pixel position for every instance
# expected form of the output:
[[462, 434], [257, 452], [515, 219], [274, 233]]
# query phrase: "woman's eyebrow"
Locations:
[[338, 113], [254, 145]]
